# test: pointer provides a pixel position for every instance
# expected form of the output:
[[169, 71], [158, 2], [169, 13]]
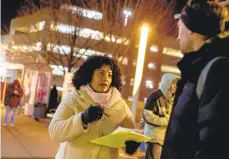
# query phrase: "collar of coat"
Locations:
[[193, 63], [83, 94]]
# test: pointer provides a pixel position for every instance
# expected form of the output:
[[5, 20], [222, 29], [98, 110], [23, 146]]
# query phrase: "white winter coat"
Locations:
[[66, 127]]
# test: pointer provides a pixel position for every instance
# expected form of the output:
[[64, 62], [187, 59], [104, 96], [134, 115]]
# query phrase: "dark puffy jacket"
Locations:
[[11, 99], [199, 128]]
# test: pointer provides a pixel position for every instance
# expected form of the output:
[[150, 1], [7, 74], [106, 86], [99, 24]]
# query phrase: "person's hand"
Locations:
[[93, 113], [16, 92], [142, 124], [131, 146]]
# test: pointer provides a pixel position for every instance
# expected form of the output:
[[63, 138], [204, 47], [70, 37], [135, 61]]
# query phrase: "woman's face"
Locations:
[[101, 79]]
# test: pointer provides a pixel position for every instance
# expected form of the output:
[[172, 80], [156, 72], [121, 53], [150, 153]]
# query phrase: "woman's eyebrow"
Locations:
[[106, 71]]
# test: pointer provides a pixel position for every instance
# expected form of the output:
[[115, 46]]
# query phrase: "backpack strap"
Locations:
[[203, 76]]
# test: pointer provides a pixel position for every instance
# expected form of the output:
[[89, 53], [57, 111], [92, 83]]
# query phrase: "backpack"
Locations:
[[203, 76]]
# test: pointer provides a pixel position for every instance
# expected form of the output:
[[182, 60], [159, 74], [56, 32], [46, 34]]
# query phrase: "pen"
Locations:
[[106, 114]]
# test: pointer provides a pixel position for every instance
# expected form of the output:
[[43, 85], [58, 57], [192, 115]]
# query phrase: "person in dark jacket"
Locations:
[[198, 127], [156, 114], [52, 99]]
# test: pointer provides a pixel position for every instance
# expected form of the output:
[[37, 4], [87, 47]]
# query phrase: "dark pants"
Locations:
[[153, 151]]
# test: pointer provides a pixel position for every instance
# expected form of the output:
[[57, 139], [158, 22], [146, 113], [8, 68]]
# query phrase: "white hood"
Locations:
[[165, 84]]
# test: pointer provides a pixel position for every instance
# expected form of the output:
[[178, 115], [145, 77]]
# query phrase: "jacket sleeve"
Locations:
[[21, 93], [128, 121], [213, 114], [150, 117], [65, 124], [154, 119], [8, 93]]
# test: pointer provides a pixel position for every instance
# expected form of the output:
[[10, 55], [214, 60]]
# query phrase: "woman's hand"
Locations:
[[92, 113], [131, 146]]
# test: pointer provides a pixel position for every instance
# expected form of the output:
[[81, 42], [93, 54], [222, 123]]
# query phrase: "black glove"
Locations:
[[131, 146], [92, 113]]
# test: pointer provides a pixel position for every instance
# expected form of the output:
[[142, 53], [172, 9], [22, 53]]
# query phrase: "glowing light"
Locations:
[[154, 48], [88, 33], [78, 52], [84, 12], [132, 81], [170, 69], [127, 13], [141, 58], [172, 52], [37, 27], [130, 98], [151, 66], [149, 84], [58, 70]]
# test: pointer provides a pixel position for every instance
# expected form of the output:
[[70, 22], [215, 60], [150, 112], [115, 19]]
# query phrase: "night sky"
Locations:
[[9, 10]]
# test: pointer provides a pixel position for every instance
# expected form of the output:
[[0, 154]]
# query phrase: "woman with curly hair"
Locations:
[[94, 109]]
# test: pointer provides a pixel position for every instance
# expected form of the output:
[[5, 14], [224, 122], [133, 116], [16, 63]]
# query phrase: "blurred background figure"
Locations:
[[52, 99], [156, 114], [13, 96]]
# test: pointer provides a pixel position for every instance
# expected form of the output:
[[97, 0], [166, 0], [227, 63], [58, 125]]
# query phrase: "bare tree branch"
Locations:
[[66, 25]]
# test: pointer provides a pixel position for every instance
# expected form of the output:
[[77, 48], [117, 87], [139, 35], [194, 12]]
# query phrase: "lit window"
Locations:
[[123, 80], [116, 39], [88, 33], [38, 46], [37, 27], [132, 81], [130, 98], [145, 99], [120, 58], [123, 60], [149, 84], [58, 70], [70, 29], [81, 52], [84, 12], [151, 66], [78, 52], [170, 69], [154, 48], [61, 49], [60, 88], [25, 48], [134, 62], [172, 52]]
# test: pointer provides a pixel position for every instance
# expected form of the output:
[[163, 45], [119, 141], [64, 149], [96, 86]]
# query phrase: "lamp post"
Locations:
[[139, 67], [127, 13]]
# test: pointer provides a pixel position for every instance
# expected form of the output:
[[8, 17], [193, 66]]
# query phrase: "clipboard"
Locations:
[[118, 139]]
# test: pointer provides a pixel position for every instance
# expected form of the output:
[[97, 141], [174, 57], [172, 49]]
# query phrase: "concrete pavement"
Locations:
[[30, 140]]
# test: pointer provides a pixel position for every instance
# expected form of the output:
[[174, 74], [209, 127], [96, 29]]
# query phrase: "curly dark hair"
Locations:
[[84, 74]]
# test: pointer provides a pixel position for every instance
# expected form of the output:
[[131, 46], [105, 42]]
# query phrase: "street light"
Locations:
[[139, 67], [127, 13]]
